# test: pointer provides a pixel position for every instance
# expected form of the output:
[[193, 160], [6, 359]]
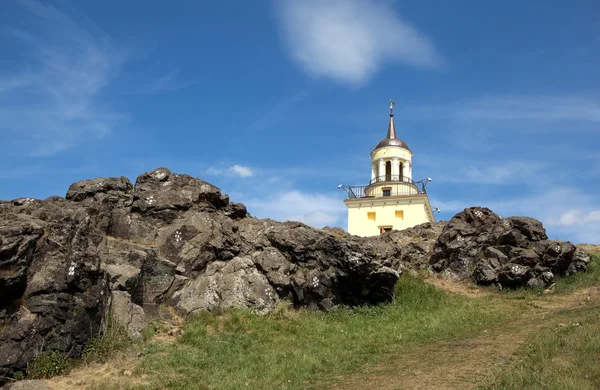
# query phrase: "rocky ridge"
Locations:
[[110, 247]]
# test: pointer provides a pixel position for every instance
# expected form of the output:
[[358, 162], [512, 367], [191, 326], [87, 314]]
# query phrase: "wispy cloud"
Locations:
[[279, 110], [546, 108], [50, 102], [235, 170], [349, 40], [578, 217], [489, 172], [567, 213], [314, 209], [241, 171], [515, 108], [168, 82]]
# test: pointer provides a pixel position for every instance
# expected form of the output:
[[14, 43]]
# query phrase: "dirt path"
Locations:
[[463, 364]]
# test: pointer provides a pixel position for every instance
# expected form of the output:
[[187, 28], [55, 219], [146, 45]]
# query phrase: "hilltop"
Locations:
[[173, 243]]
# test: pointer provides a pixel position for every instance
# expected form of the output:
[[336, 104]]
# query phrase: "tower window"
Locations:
[[386, 191], [388, 171], [400, 214], [371, 215]]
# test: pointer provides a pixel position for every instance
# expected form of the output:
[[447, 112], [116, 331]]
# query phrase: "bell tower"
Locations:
[[391, 200]]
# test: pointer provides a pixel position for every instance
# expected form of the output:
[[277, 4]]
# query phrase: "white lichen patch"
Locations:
[[506, 223], [269, 292], [166, 184], [72, 269], [159, 175], [150, 200], [315, 282]]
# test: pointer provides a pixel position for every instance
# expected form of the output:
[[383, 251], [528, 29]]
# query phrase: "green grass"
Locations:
[[297, 350], [563, 358], [290, 349], [100, 349], [48, 364], [564, 285], [582, 279]]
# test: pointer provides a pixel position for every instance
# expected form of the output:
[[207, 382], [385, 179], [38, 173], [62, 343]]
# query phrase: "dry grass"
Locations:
[[437, 334]]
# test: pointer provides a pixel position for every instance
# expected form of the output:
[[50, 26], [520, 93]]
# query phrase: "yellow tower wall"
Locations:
[[413, 210], [390, 152]]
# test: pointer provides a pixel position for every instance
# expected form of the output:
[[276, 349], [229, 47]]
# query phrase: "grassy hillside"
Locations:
[[442, 335]]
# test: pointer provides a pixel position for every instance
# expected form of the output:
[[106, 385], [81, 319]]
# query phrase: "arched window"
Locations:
[[401, 171], [388, 171]]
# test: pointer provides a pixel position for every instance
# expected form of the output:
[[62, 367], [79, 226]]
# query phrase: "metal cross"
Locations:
[[392, 106]]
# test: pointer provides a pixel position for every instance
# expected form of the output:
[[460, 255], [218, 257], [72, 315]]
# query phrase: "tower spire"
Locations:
[[391, 134]]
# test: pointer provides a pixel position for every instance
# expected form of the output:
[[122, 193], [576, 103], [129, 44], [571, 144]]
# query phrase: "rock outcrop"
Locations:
[[479, 245], [111, 247]]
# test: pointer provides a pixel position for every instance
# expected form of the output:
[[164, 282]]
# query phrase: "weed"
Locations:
[[99, 349], [48, 364]]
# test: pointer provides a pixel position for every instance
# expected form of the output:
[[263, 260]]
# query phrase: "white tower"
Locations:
[[392, 200]]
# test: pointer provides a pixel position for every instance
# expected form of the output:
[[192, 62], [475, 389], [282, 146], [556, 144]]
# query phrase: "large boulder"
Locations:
[[479, 245]]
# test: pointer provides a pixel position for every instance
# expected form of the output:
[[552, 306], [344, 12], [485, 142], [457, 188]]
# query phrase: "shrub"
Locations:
[[48, 364]]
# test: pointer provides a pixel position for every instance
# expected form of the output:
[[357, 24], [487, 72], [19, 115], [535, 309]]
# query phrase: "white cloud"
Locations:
[[314, 209], [349, 40], [578, 217], [241, 171], [553, 207], [168, 82], [547, 108], [50, 102], [235, 170], [489, 172], [543, 108]]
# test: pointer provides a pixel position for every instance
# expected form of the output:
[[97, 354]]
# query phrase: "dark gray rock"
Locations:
[[115, 189], [171, 239], [477, 244], [127, 314], [579, 263], [514, 275]]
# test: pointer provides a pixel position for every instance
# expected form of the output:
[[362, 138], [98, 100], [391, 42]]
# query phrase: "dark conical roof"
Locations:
[[391, 139]]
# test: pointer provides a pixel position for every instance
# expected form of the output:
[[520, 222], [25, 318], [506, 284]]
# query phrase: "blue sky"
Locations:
[[278, 102]]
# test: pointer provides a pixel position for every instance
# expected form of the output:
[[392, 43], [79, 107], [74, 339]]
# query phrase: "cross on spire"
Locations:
[[392, 107]]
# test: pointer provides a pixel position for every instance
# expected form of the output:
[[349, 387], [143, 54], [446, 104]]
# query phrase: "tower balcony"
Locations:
[[384, 186], [391, 178]]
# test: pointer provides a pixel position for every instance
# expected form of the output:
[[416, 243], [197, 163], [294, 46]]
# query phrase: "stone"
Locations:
[[514, 275], [116, 189], [579, 262], [515, 252], [531, 228], [26, 385], [127, 314]]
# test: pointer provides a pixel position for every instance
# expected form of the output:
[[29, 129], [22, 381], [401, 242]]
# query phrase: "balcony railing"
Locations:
[[383, 187], [393, 178], [395, 188]]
